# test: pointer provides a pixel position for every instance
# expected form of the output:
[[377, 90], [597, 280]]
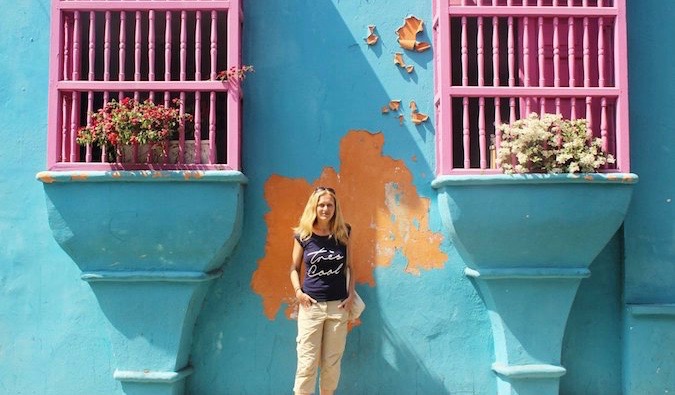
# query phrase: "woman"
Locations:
[[321, 242]]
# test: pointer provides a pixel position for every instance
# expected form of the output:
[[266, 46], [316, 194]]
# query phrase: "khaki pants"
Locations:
[[322, 334]]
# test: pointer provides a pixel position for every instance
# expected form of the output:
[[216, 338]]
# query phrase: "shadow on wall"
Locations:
[[591, 350], [379, 360], [317, 82]]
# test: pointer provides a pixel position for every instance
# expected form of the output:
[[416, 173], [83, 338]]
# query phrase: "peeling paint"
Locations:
[[407, 34], [413, 106], [394, 105], [418, 117], [398, 60], [372, 38], [379, 200]]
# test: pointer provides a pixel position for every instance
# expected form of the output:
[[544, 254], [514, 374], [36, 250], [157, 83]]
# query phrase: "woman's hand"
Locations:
[[304, 299], [347, 303]]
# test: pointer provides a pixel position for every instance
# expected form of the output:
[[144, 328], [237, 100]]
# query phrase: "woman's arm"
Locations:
[[296, 266]]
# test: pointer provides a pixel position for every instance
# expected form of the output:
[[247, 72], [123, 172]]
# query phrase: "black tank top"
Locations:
[[325, 263]]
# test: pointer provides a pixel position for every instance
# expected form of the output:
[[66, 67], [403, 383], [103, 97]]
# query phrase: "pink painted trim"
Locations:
[[54, 113], [234, 20], [587, 84], [620, 56], [443, 71], [67, 87], [523, 11], [169, 5]]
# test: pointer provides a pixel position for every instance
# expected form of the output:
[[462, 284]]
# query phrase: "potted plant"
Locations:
[[120, 125], [550, 144], [527, 238]]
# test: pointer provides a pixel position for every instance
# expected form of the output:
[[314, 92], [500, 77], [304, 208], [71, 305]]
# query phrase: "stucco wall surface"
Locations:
[[53, 336], [650, 234]]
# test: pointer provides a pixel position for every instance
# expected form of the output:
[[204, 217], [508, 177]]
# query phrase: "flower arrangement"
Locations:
[[129, 122], [550, 144], [234, 73]]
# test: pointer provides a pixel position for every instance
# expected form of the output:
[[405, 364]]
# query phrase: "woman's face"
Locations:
[[325, 208]]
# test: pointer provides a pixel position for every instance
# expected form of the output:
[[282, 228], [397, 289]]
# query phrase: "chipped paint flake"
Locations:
[[394, 105], [372, 38], [407, 34], [398, 59], [382, 204], [422, 46], [385, 110], [418, 117]]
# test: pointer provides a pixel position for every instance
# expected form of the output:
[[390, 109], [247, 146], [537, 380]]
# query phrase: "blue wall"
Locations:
[[315, 81], [53, 336], [650, 235]]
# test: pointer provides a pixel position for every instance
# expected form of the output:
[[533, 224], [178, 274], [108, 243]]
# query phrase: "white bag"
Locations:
[[357, 307]]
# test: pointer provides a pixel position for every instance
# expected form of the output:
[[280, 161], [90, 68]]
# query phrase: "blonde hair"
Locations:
[[338, 228]]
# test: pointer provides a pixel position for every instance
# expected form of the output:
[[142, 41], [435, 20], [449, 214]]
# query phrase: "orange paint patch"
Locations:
[[378, 199], [193, 174], [45, 177], [79, 177]]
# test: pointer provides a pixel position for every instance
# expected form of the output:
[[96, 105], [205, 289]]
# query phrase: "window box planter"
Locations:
[[147, 242], [527, 241], [146, 154]]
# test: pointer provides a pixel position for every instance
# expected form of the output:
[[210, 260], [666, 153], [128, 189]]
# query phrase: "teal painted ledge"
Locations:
[[148, 243], [49, 177], [527, 242], [147, 376], [652, 309]]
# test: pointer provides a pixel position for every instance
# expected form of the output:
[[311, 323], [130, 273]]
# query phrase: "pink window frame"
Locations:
[[607, 88], [64, 80]]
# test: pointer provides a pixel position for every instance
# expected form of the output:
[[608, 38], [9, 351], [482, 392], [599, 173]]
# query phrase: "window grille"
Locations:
[[160, 50], [496, 61]]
